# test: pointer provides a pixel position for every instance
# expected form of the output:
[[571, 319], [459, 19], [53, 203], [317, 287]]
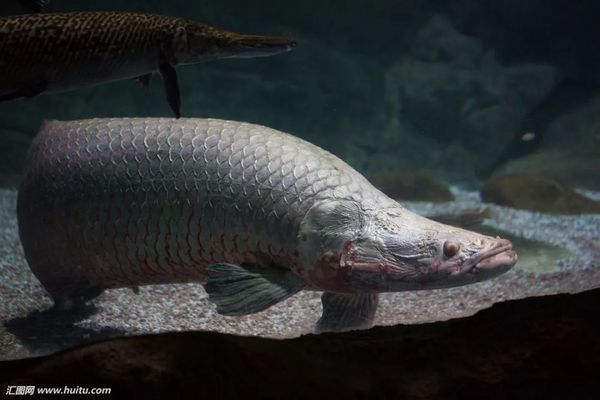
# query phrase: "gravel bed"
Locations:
[[163, 308]]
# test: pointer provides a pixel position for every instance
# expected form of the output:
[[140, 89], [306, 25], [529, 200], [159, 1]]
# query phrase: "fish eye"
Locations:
[[451, 248]]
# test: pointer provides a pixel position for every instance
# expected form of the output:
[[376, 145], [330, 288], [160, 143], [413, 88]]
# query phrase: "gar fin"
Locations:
[[238, 290], [35, 5], [169, 75], [144, 80], [346, 312]]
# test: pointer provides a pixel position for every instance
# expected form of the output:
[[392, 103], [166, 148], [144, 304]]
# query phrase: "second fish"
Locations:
[[43, 53]]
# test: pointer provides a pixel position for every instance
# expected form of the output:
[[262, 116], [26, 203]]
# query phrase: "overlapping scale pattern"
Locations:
[[120, 202]]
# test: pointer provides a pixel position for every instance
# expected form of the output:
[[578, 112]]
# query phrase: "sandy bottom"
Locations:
[[557, 254]]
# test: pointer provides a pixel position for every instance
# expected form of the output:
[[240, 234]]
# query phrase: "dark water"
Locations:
[[465, 92]]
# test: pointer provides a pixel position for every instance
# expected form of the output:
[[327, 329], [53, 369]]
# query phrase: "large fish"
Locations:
[[41, 53], [252, 213]]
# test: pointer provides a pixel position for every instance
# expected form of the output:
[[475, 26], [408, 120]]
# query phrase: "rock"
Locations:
[[569, 152], [579, 128], [572, 167], [464, 218], [537, 194], [411, 186], [453, 91], [516, 349], [439, 41]]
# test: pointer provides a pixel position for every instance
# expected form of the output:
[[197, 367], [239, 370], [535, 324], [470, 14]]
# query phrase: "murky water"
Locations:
[[436, 101]]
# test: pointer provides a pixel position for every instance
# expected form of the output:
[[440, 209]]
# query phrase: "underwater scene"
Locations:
[[275, 170]]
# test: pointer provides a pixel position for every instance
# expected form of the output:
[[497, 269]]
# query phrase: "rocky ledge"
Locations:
[[544, 347]]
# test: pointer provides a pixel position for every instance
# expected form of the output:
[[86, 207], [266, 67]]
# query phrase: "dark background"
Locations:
[[494, 71]]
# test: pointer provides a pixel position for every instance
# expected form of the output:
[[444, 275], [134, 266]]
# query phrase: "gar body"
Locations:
[[252, 213], [43, 53]]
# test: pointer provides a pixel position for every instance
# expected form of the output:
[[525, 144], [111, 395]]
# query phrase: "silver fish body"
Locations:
[[134, 201], [125, 202]]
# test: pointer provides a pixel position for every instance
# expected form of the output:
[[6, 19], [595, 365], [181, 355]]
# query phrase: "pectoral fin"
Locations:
[[169, 76], [347, 312], [238, 290]]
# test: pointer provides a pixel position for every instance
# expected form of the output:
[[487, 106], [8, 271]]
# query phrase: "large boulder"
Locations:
[[411, 186], [537, 194], [455, 92], [569, 151], [517, 349]]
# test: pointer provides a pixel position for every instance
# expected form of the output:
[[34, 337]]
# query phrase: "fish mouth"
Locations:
[[257, 45], [500, 258]]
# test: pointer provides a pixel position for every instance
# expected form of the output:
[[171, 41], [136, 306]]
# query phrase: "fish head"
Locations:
[[249, 46], [204, 43], [348, 248]]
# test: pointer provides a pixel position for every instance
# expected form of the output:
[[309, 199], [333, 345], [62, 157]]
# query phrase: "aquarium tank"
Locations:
[[280, 169]]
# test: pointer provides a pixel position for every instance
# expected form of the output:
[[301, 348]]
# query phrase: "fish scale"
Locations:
[[125, 202], [45, 53], [84, 43]]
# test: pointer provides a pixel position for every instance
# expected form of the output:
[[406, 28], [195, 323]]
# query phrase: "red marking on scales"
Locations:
[[126, 247], [178, 247], [126, 237], [169, 256], [145, 258], [155, 245], [223, 248], [235, 250], [187, 232], [113, 240], [211, 253]]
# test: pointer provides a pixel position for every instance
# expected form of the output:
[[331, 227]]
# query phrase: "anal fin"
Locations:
[[347, 312], [239, 290], [169, 75]]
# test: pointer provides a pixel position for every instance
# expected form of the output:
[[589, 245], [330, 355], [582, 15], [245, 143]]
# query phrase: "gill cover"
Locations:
[[325, 231]]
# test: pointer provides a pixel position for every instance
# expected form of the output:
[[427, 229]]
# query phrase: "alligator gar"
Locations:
[[253, 214], [43, 53]]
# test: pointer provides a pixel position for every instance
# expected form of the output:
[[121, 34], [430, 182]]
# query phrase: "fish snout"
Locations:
[[280, 43], [499, 257], [257, 45], [507, 259]]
